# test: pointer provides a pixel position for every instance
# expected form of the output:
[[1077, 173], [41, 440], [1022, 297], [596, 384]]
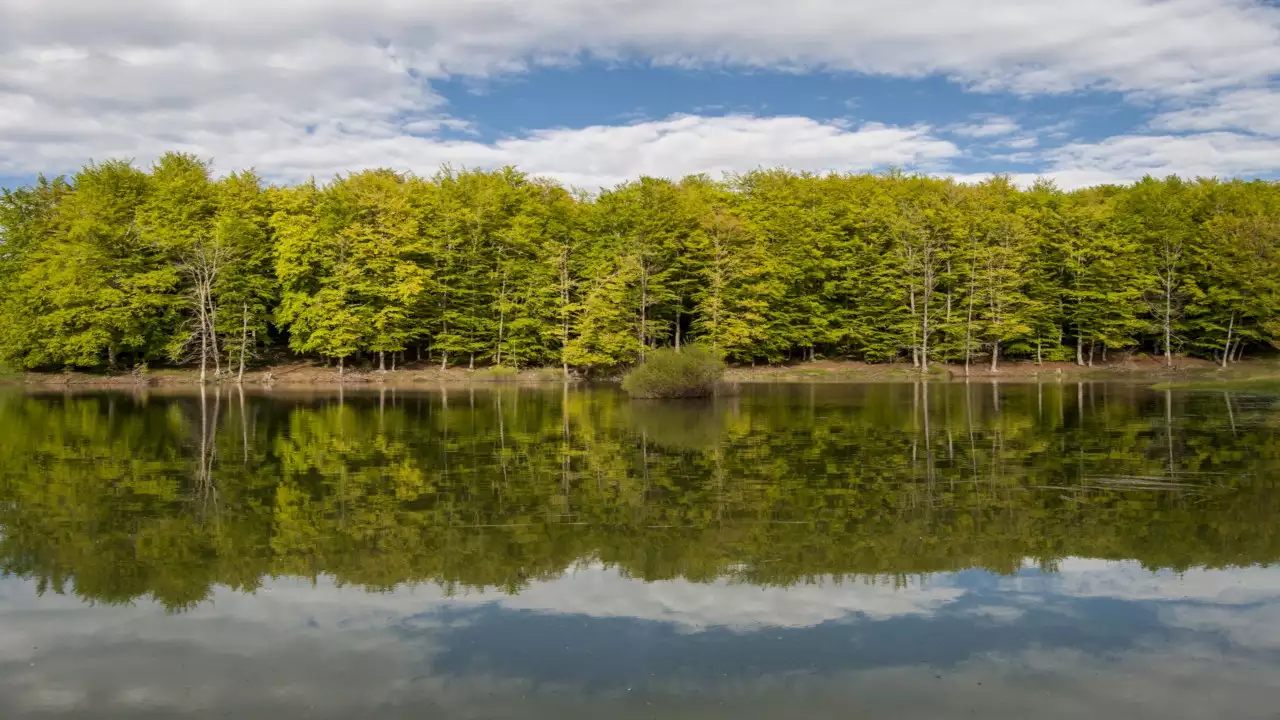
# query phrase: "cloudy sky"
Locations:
[[592, 92]]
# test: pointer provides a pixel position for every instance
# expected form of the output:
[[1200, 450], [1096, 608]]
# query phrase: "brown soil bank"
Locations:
[[298, 374], [1135, 368], [314, 374]]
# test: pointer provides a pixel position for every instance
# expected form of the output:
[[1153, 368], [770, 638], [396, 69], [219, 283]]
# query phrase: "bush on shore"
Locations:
[[690, 372]]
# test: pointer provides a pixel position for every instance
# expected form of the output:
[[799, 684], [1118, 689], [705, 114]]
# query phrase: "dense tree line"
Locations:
[[116, 497], [119, 266]]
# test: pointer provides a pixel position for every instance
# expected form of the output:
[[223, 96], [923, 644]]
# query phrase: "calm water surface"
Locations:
[[908, 551]]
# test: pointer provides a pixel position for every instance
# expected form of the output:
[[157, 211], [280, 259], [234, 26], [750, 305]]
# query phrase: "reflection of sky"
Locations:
[[1095, 639]]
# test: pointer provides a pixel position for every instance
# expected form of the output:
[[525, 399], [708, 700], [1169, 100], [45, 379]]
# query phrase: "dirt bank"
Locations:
[[1133, 368], [310, 374]]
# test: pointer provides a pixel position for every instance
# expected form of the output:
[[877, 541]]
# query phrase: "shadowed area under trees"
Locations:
[[118, 267]]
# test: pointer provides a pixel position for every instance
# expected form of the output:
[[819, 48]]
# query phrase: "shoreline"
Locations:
[[308, 374]]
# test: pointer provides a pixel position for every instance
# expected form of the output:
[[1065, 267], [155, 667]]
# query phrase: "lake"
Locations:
[[907, 550]]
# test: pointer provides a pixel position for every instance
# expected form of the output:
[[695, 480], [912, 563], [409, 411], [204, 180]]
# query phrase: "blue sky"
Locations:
[[593, 92]]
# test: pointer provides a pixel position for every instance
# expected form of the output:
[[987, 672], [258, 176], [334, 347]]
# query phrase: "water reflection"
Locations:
[[1050, 550]]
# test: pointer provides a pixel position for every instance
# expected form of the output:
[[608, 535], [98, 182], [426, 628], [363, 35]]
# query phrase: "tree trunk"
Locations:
[[213, 333], [1079, 351], [1092, 347], [644, 307], [995, 355], [444, 359], [564, 310], [341, 367], [924, 337], [968, 322], [204, 354], [244, 340], [382, 361], [502, 319], [393, 363], [1226, 350], [678, 304], [1039, 356], [1168, 331]]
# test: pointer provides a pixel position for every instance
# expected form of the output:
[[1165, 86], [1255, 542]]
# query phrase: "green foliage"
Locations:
[[497, 373], [472, 267], [692, 371]]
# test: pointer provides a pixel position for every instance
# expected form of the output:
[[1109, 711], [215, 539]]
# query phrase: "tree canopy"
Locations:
[[122, 266]]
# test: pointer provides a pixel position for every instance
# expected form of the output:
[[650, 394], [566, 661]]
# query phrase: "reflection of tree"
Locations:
[[121, 497]]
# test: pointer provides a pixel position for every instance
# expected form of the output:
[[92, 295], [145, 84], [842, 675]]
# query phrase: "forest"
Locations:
[[116, 497], [119, 267]]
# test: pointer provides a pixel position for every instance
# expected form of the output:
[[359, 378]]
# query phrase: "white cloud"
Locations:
[[295, 88], [1171, 46], [1126, 158], [589, 157], [986, 127], [1255, 110]]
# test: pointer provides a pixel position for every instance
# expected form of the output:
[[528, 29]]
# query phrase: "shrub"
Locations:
[[690, 372], [497, 373]]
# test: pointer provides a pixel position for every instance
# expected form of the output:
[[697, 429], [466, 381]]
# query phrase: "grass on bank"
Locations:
[[692, 371]]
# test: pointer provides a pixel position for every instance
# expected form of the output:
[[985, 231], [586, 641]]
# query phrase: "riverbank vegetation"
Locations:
[[669, 373], [119, 267]]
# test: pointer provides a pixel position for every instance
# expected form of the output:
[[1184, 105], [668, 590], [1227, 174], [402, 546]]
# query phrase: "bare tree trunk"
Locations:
[[1092, 347], [502, 319], [1226, 351], [915, 344], [382, 361], [204, 357], [1079, 349], [471, 364], [564, 310], [244, 340], [341, 367], [444, 359], [1168, 329], [644, 308], [995, 354], [968, 325], [924, 337], [678, 304], [213, 332]]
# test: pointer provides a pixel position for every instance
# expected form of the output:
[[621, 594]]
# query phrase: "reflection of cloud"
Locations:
[[1128, 580], [603, 593], [596, 591], [1254, 627], [334, 652], [1004, 613]]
